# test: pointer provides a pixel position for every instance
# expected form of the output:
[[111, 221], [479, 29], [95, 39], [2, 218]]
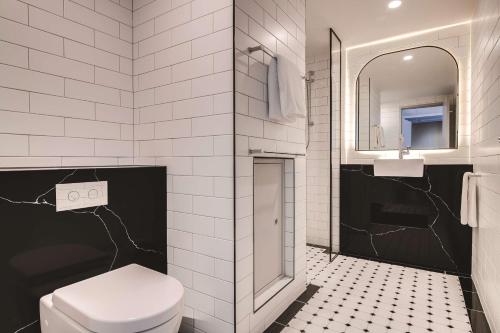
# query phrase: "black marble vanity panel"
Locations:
[[42, 250], [409, 221]]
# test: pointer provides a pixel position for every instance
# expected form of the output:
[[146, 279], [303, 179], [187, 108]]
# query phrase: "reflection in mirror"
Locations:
[[408, 98]]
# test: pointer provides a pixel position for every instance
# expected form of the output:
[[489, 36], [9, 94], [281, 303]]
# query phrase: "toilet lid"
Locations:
[[127, 300]]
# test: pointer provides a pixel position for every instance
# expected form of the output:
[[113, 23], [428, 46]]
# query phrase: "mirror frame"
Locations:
[[398, 51]]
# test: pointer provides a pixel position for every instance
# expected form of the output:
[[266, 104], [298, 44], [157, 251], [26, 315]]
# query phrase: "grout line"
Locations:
[[70, 78], [300, 302], [68, 58], [61, 96], [67, 19]]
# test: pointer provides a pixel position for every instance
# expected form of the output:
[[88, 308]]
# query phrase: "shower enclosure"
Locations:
[[323, 79], [335, 139]]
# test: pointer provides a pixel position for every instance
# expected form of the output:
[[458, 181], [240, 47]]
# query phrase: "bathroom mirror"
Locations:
[[408, 99]]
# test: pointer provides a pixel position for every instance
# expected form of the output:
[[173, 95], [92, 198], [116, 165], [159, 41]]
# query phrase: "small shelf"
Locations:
[[400, 215]]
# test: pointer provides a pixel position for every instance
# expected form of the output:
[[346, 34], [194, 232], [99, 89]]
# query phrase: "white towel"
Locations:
[[377, 136], [468, 211], [291, 90], [273, 93], [374, 137], [381, 137]]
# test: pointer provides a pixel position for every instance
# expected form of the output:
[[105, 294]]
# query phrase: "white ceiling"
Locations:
[[362, 21]]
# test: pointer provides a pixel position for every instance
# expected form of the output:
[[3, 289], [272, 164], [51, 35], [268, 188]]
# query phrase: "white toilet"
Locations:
[[130, 299]]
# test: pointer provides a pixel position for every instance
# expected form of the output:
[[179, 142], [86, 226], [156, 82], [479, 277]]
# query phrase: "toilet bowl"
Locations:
[[130, 299]]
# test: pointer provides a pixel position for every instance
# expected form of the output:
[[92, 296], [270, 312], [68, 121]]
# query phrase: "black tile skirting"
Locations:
[[279, 324], [477, 318]]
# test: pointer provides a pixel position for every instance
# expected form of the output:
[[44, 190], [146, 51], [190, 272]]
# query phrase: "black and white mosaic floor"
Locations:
[[317, 260], [351, 295]]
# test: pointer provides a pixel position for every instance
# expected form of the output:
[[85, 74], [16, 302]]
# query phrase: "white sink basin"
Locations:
[[399, 168]]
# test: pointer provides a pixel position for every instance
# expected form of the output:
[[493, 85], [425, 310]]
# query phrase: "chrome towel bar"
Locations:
[[260, 48], [261, 151]]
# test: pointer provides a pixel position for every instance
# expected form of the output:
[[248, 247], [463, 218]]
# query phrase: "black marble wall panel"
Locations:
[[410, 221], [42, 250]]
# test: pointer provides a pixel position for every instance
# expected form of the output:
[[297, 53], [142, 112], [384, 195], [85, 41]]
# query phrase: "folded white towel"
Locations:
[[291, 90], [464, 204], [468, 211], [273, 93], [472, 219]]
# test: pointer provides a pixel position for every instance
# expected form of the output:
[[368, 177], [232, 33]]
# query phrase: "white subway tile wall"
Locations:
[[318, 164], [108, 82], [183, 118], [455, 40], [279, 25], [60, 87], [318, 157], [486, 155]]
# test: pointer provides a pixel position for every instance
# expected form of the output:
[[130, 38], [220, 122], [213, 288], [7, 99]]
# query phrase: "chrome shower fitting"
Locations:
[[309, 78]]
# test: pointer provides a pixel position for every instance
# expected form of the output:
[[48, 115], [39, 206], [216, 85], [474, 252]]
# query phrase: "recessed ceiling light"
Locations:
[[407, 57], [394, 4]]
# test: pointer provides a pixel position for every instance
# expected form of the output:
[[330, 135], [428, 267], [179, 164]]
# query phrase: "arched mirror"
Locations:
[[408, 99]]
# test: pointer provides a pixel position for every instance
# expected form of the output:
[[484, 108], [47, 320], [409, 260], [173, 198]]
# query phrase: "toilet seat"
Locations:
[[130, 299]]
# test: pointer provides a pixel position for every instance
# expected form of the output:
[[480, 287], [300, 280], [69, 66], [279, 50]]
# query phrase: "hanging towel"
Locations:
[[374, 137], [377, 136], [468, 211], [273, 92], [291, 90], [381, 137]]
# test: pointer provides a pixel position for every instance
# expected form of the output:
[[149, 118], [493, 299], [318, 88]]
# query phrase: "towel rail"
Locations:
[[260, 48], [252, 49], [261, 151]]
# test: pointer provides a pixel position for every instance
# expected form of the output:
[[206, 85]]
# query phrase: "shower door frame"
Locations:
[[332, 36]]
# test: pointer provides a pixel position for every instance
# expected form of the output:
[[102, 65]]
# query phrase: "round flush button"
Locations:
[[73, 196], [93, 193]]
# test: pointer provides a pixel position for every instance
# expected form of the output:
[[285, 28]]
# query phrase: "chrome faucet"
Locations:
[[403, 150]]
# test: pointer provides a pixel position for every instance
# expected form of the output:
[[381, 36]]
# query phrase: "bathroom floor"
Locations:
[[317, 260], [357, 295]]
